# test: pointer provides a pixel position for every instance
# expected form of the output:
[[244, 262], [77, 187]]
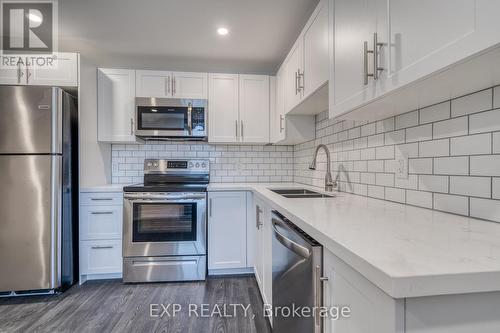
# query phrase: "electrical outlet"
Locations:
[[402, 166]]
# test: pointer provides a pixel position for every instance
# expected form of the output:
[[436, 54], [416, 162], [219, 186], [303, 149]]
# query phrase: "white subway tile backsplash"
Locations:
[[433, 183], [420, 166], [419, 133], [434, 148], [395, 194], [451, 203], [472, 186], [385, 125], [407, 120], [453, 149], [451, 165], [476, 102], [485, 165], [419, 198], [436, 112], [485, 122], [396, 137], [485, 209], [496, 188], [471, 145], [384, 153], [376, 191], [496, 143], [452, 127]]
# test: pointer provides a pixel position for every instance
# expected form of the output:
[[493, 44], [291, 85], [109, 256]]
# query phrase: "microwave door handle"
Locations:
[[190, 122]]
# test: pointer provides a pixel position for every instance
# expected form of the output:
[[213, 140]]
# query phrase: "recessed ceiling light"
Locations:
[[222, 31]]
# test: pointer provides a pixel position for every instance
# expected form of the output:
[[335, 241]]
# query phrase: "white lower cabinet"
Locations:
[[371, 310], [227, 231], [101, 220]]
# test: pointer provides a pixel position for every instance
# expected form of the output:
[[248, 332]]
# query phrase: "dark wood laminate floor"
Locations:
[[111, 306]]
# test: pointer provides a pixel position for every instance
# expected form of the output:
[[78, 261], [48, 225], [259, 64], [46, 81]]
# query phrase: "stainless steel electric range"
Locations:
[[164, 222]]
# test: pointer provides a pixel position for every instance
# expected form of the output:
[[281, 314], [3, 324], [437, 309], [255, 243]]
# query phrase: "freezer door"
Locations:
[[29, 222], [30, 120]]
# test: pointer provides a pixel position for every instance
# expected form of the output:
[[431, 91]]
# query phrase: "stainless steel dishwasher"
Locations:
[[297, 277]]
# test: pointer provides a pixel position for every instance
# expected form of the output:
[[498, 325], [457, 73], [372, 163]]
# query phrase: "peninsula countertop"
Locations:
[[406, 251]]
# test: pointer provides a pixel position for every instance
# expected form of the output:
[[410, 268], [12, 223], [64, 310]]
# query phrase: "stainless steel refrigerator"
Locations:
[[39, 196]]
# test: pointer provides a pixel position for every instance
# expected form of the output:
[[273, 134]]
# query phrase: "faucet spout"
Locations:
[[330, 184]]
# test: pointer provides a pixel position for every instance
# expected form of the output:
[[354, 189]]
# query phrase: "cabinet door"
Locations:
[[115, 105], [371, 310], [254, 108], [153, 84], [257, 225], [189, 85], [293, 67], [227, 234], [316, 44], [63, 72], [280, 105], [273, 112], [101, 257], [223, 105], [356, 21], [427, 36]]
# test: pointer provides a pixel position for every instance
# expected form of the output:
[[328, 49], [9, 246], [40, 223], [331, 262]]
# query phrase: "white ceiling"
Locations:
[[182, 33]]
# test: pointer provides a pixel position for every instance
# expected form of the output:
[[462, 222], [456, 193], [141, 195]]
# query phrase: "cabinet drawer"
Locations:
[[101, 222], [101, 257], [101, 198]]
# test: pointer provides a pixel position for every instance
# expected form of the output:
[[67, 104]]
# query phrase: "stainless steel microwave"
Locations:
[[173, 118]]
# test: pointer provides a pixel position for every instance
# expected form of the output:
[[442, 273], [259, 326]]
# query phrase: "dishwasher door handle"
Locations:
[[288, 243]]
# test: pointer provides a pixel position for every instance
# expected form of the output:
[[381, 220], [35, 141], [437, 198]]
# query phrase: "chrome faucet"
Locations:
[[330, 184]]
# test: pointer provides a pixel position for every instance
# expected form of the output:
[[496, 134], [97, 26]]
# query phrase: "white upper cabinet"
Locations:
[[115, 105], [153, 84], [428, 51], [223, 105], [355, 25], [59, 69], [305, 69], [316, 45], [238, 108], [254, 108], [293, 76], [165, 84], [189, 85]]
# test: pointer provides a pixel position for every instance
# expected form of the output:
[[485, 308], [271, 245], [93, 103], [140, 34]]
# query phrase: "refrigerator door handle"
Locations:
[[57, 107], [56, 220]]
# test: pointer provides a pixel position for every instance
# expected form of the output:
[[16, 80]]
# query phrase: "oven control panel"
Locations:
[[161, 165]]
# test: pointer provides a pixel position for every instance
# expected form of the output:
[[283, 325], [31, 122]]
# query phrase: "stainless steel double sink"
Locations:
[[300, 193]]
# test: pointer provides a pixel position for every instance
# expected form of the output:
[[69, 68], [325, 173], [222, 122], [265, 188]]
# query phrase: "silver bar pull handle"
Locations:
[[300, 80], [242, 130], [28, 74], [131, 126], [282, 118], [101, 199], [376, 46], [173, 85], [366, 75], [258, 211], [99, 247], [167, 85], [101, 213], [296, 83], [210, 207], [318, 295], [236, 127]]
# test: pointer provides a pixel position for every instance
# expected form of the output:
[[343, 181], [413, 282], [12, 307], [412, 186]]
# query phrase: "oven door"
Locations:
[[159, 224]]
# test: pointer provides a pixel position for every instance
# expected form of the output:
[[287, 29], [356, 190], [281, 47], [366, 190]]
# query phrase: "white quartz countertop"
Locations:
[[103, 188], [406, 251]]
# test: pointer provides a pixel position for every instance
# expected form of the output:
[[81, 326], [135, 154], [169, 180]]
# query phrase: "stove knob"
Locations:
[[155, 165], [197, 165], [191, 164], [203, 165], [149, 164]]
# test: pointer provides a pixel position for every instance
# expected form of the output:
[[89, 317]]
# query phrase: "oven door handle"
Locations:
[[150, 198]]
